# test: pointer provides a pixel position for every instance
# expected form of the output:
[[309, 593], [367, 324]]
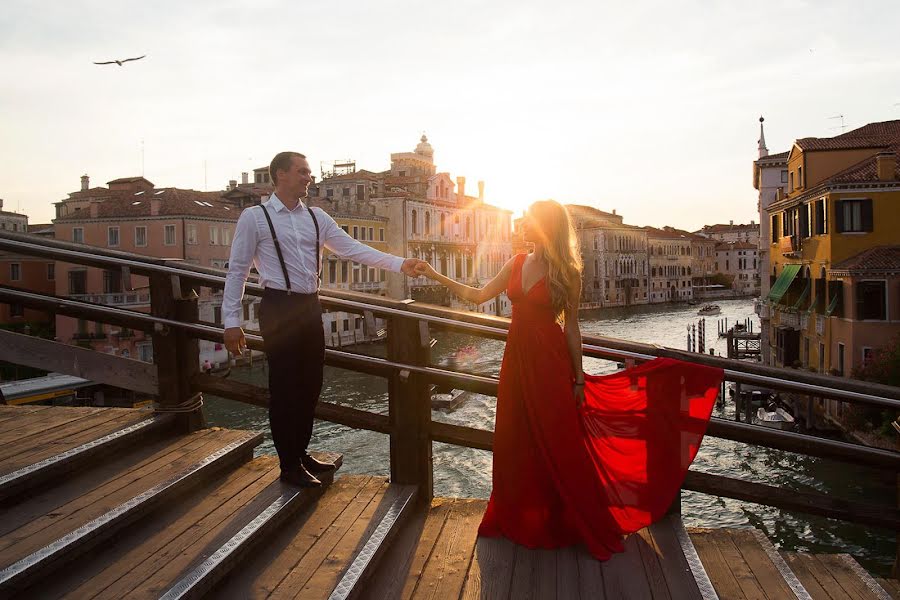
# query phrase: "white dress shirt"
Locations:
[[253, 245]]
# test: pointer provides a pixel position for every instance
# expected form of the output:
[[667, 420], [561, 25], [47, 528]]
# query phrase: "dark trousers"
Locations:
[[295, 349]]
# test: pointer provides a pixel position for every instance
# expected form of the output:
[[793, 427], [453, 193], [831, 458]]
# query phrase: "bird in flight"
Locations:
[[119, 62]]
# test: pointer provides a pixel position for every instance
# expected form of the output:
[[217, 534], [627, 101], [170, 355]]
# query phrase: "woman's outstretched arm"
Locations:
[[473, 294]]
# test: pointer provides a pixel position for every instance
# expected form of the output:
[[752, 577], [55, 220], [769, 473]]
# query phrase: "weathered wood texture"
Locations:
[[112, 370]]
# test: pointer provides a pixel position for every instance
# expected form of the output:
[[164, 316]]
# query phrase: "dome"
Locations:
[[424, 147]]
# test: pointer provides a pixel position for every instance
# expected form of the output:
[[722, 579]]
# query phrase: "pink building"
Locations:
[[132, 215]]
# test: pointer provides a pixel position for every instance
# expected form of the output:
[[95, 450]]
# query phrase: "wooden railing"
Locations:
[[175, 328]]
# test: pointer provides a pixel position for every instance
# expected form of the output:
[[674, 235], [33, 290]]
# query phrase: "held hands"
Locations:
[[578, 391], [235, 342], [411, 266], [426, 269]]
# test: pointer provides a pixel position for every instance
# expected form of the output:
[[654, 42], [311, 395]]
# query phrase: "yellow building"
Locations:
[[834, 251]]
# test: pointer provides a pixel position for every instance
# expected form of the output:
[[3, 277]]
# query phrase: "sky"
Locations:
[[649, 108]]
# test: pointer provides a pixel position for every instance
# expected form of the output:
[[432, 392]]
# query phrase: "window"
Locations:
[[169, 235], [77, 282], [784, 177], [112, 282], [804, 221], [246, 312], [871, 300], [791, 183], [381, 234], [362, 233], [332, 271], [329, 193], [140, 236], [16, 310], [415, 219], [217, 315], [346, 229], [774, 229], [191, 234], [112, 237], [840, 358], [213, 235], [799, 177], [334, 327], [868, 355], [821, 357], [854, 215], [51, 271], [226, 236], [360, 192], [819, 217], [355, 232], [78, 235], [145, 352], [15, 272], [371, 233], [345, 192]]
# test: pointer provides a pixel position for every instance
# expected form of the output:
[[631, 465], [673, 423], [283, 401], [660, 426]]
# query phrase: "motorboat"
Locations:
[[710, 309], [778, 418]]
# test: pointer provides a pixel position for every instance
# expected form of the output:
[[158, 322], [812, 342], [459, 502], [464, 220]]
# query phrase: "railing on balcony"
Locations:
[[116, 299], [175, 329], [366, 286], [790, 245]]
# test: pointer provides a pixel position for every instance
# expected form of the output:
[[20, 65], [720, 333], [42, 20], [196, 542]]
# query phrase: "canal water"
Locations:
[[464, 472]]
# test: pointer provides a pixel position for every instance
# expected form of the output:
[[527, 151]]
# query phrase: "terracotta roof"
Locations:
[[583, 210], [172, 202], [723, 227], [867, 170], [129, 180], [691, 236], [879, 258], [873, 135], [653, 232], [97, 192], [361, 174], [779, 156], [39, 227]]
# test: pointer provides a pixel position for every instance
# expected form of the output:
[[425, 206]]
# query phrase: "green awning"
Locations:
[[783, 283], [832, 305], [803, 296]]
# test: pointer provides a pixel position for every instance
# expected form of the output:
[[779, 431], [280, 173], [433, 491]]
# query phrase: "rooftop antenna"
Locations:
[[842, 126]]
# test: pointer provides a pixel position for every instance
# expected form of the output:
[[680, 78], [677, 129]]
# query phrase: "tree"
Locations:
[[884, 368]]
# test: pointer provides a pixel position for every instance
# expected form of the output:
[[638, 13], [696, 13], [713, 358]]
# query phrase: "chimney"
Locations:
[[85, 183], [460, 188], [731, 223], [481, 191], [752, 222], [1, 203], [245, 178], [614, 211], [232, 183], [886, 165]]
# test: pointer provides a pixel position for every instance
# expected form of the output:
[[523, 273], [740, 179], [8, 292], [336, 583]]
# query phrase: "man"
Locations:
[[284, 237]]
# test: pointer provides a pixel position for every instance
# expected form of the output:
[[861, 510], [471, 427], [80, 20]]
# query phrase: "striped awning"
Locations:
[[804, 295], [783, 283]]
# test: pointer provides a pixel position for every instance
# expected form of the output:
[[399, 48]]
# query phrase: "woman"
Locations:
[[579, 458]]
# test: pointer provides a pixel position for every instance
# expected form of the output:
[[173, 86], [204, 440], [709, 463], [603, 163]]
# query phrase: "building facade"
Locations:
[[739, 262], [835, 250], [671, 266]]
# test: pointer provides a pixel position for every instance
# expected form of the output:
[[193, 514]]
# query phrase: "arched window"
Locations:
[[468, 227], [427, 223], [415, 222], [442, 224]]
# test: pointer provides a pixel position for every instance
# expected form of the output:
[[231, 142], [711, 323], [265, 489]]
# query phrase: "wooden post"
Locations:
[[410, 407]]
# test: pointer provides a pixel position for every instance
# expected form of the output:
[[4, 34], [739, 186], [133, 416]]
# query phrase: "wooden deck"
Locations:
[[114, 503]]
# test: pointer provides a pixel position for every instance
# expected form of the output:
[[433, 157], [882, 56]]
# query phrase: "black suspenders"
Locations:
[[287, 279]]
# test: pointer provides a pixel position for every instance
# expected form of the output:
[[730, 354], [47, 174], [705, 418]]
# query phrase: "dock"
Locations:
[[116, 503]]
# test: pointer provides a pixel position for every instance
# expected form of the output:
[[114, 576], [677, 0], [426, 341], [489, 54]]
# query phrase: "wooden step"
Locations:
[[742, 563], [316, 549], [833, 576], [43, 449], [891, 586], [53, 526]]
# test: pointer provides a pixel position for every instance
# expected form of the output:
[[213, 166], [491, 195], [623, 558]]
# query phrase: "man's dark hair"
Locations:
[[282, 161]]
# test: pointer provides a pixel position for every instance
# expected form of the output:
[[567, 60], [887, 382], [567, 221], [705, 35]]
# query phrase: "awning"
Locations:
[[832, 305], [804, 295], [783, 283]]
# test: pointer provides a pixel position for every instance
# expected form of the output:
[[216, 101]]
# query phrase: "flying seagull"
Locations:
[[119, 62]]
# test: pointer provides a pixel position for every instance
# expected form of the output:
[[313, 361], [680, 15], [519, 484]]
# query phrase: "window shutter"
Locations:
[[839, 216], [867, 217], [804, 221]]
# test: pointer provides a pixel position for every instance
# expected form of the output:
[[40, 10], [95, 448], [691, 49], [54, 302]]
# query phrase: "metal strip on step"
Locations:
[[866, 578], [189, 582], [790, 578], [74, 453], [701, 578], [362, 560], [23, 567]]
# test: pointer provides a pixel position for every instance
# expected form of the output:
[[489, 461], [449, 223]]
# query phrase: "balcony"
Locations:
[[366, 286], [787, 316], [119, 299], [790, 245]]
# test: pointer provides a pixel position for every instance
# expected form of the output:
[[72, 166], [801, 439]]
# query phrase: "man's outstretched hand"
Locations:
[[235, 341], [411, 268]]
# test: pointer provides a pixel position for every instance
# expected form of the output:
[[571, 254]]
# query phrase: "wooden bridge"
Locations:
[[100, 502]]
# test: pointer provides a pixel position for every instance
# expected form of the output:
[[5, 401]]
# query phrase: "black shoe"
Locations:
[[317, 466], [300, 476]]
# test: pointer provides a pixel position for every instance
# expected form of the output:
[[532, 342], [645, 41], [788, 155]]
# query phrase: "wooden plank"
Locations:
[[676, 570], [434, 523], [649, 554], [125, 373], [130, 557], [590, 577], [26, 431], [273, 562], [393, 569], [524, 574], [891, 586], [47, 528], [63, 434], [801, 565], [292, 585], [623, 573], [445, 572], [490, 572], [814, 503], [751, 588], [767, 574], [567, 574], [11, 412], [323, 580], [154, 576], [70, 490], [848, 581], [546, 574], [43, 451], [716, 565]]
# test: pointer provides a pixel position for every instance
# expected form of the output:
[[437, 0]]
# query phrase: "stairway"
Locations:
[[742, 563]]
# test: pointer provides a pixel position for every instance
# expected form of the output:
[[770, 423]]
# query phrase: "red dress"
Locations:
[[565, 475]]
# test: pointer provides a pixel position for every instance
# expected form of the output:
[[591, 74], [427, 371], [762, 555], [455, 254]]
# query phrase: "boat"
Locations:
[[710, 309], [778, 418]]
